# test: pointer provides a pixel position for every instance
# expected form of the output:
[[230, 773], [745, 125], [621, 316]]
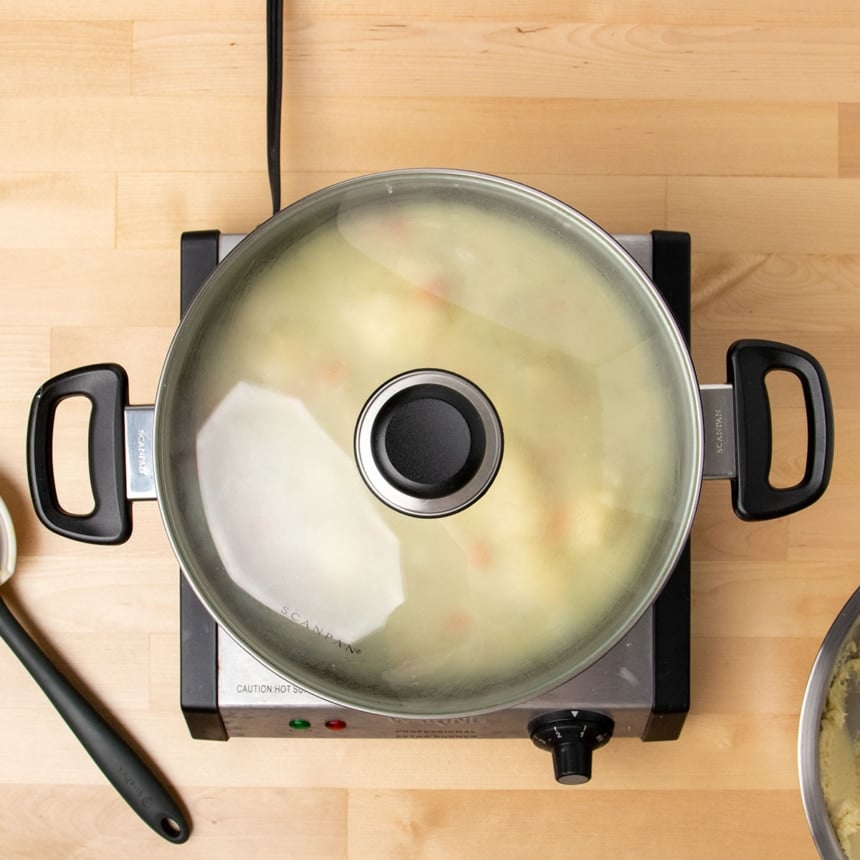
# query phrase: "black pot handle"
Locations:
[[106, 387], [753, 496]]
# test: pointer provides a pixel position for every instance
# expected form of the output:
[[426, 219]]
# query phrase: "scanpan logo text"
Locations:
[[142, 461], [328, 636]]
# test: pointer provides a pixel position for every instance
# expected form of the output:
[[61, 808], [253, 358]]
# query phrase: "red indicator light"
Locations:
[[335, 725]]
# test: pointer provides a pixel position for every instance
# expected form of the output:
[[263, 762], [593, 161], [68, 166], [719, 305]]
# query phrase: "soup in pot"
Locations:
[[586, 497]]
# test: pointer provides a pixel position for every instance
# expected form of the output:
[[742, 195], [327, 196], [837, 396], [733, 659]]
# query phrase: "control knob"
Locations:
[[571, 736]]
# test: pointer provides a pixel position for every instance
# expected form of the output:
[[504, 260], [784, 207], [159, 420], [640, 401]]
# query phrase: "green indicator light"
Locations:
[[300, 725]]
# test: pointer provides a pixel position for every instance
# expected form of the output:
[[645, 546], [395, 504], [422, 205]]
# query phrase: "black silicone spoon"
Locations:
[[141, 789]]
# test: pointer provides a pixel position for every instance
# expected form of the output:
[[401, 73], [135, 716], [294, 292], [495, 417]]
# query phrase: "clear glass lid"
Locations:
[[428, 443]]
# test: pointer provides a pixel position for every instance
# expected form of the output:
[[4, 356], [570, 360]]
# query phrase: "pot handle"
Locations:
[[106, 387], [748, 363]]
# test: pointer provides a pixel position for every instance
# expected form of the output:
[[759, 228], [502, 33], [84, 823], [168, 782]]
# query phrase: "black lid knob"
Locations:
[[571, 737], [428, 442]]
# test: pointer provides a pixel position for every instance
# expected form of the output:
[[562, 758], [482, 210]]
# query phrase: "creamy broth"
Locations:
[[585, 500]]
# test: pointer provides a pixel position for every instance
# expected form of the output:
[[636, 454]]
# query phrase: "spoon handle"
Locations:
[[141, 789]]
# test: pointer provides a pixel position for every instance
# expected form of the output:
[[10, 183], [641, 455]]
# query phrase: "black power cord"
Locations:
[[274, 79]]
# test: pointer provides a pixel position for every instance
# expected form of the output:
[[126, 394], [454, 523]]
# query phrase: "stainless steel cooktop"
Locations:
[[639, 689]]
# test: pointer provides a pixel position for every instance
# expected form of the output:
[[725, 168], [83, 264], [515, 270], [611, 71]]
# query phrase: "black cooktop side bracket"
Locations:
[[671, 611]]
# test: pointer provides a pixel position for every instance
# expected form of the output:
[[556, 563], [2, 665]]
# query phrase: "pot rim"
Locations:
[[676, 349]]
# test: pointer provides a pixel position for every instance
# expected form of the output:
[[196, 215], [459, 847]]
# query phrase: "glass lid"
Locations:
[[427, 443]]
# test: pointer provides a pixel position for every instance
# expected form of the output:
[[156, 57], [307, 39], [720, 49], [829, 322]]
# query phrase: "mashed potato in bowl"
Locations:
[[829, 739], [839, 751]]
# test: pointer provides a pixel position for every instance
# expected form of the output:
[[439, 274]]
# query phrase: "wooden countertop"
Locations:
[[126, 123]]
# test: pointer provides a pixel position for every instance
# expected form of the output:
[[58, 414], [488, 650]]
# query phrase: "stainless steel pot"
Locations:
[[429, 442]]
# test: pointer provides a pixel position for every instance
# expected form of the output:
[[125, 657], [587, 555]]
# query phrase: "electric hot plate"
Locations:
[[641, 688]]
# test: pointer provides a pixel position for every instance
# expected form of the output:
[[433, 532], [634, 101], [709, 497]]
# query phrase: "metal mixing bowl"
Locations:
[[844, 631]]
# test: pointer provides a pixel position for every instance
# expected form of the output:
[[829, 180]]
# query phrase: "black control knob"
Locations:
[[571, 737]]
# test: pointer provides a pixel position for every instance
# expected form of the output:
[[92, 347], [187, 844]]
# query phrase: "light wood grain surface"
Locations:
[[125, 123]]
